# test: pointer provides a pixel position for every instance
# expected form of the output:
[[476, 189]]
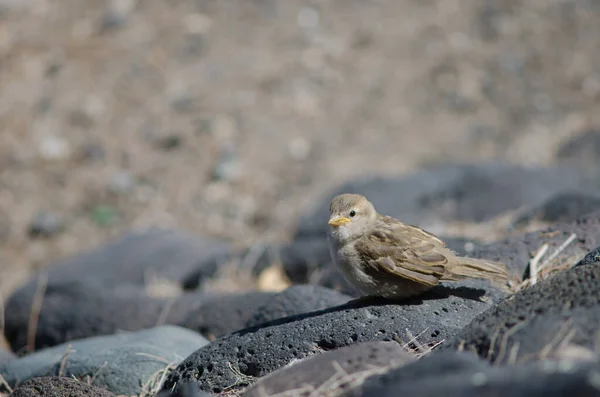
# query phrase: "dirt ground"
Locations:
[[226, 118]]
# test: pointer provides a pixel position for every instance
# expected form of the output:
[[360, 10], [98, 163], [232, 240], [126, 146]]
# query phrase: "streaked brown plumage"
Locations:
[[382, 256]]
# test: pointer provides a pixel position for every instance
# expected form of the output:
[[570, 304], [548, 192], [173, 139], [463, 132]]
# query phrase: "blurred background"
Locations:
[[228, 118]]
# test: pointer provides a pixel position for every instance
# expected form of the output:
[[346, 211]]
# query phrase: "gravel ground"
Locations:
[[226, 118]]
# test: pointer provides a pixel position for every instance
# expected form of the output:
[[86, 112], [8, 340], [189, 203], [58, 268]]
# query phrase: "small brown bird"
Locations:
[[382, 256]]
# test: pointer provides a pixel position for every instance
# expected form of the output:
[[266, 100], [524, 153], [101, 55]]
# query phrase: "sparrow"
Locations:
[[384, 257]]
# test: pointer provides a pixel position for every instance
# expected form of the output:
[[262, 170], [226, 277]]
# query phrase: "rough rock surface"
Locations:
[[455, 192], [238, 359], [539, 321], [120, 363], [58, 387], [296, 300], [459, 375], [592, 258], [186, 389], [337, 369], [79, 310]]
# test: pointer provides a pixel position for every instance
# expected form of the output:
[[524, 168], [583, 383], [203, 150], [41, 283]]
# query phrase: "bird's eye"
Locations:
[[352, 214]]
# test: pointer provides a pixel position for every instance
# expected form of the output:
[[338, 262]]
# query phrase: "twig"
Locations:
[[415, 341], [413, 338], [159, 358], [63, 361], [504, 342], [514, 352], [98, 372], [162, 317], [5, 383], [533, 265], [36, 308], [560, 249]]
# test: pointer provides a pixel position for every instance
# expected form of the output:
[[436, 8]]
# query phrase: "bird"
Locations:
[[384, 257]]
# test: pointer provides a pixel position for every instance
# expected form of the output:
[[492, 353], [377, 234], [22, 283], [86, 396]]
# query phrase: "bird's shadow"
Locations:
[[436, 293]]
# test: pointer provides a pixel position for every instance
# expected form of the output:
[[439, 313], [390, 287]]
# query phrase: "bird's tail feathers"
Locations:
[[478, 268]]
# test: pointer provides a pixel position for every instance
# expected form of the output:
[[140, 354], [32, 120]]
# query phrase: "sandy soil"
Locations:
[[226, 118]]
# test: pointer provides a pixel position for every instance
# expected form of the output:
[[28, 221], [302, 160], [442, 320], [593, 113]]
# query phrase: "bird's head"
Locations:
[[350, 216]]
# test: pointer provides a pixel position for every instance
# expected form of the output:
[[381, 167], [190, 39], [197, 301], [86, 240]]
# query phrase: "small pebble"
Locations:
[[46, 224], [122, 182], [54, 148], [169, 142]]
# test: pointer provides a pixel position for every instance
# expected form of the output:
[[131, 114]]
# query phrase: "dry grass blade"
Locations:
[[504, 341], [533, 265], [36, 308], [5, 384], [93, 378], [154, 383], [164, 313], [558, 251], [420, 348], [63, 361]]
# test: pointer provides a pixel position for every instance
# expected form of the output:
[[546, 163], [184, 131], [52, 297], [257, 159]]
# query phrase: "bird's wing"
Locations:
[[400, 250]]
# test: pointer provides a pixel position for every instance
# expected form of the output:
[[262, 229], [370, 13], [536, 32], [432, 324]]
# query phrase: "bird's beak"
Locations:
[[338, 221]]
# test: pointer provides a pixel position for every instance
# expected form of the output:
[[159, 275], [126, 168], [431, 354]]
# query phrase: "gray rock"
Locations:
[[58, 387], [564, 207], [238, 359], [46, 224], [186, 389], [592, 258], [5, 355], [472, 193], [122, 182], [81, 309], [539, 321], [583, 149], [453, 374], [120, 363], [345, 366], [295, 300], [516, 251], [132, 258]]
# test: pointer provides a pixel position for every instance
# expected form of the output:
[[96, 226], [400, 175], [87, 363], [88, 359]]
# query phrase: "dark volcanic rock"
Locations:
[[236, 360], [538, 321], [79, 310], [186, 389], [582, 149], [346, 366], [218, 315], [134, 257], [564, 207], [516, 251], [592, 258], [452, 374], [297, 300], [473, 193], [120, 363], [58, 387]]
